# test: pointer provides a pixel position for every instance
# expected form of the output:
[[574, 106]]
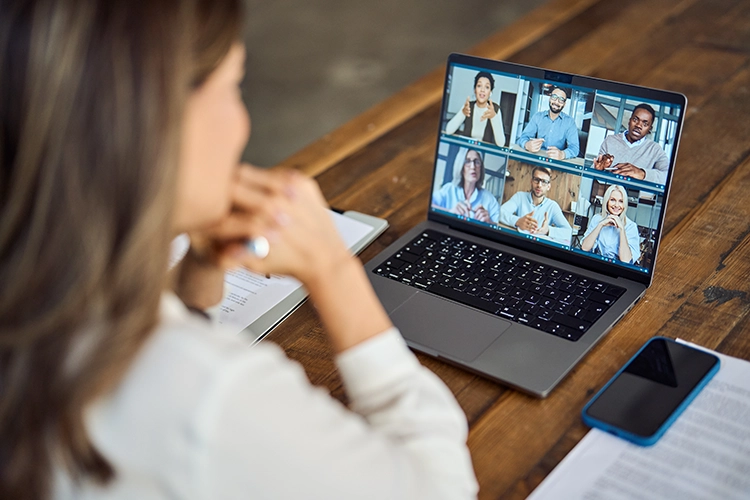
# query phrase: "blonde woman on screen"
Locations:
[[121, 125], [610, 233]]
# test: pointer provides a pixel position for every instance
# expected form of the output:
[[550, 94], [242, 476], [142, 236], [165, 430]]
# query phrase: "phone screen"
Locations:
[[641, 399]]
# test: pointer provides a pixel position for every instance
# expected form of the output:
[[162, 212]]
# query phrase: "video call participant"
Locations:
[[482, 119], [610, 233], [533, 212], [631, 153], [465, 196], [552, 130]]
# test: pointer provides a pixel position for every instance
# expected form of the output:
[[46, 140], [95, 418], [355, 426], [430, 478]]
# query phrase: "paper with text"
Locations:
[[705, 454]]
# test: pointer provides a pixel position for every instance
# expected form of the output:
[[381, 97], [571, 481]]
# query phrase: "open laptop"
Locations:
[[567, 179]]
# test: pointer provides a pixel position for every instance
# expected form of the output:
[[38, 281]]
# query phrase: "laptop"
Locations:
[[543, 225]]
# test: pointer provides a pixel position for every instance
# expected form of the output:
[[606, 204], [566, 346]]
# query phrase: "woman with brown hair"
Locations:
[[120, 126]]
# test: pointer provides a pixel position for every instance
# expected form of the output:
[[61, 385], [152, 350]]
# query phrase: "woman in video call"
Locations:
[[481, 118], [465, 196], [122, 126], [610, 233]]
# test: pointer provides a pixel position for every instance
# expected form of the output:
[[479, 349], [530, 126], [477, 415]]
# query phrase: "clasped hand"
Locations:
[[285, 207], [464, 209]]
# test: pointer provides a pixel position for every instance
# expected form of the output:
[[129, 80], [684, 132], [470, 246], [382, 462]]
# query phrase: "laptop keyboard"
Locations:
[[544, 297]]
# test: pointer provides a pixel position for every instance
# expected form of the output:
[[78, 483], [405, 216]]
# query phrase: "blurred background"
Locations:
[[313, 65]]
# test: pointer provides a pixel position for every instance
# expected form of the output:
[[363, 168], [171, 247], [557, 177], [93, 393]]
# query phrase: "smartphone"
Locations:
[[648, 394]]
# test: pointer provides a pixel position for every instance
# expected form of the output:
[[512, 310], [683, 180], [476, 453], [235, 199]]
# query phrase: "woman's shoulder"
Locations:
[[183, 361], [186, 370]]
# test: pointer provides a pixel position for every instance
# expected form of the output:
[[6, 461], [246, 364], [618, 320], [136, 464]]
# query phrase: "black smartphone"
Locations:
[[648, 394]]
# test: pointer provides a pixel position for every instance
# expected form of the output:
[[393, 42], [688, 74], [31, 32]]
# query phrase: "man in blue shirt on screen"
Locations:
[[533, 213], [552, 130]]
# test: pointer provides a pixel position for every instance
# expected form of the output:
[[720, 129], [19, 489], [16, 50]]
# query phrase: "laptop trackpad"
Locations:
[[446, 327]]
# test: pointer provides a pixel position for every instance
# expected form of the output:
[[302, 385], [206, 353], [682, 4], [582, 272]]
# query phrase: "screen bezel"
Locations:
[[563, 255]]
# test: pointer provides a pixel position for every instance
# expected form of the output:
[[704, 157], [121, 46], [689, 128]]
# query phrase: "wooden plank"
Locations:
[[731, 31], [602, 42], [648, 51], [714, 141], [382, 117], [689, 263]]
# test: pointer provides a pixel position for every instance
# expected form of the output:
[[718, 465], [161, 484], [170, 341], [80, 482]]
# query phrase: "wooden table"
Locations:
[[381, 163]]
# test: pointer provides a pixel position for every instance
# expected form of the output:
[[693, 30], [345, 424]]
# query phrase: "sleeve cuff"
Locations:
[[376, 362]]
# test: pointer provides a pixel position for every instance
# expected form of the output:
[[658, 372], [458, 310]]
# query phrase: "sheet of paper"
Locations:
[[248, 295], [705, 454]]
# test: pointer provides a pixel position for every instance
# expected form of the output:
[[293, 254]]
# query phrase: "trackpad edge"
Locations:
[[451, 329]]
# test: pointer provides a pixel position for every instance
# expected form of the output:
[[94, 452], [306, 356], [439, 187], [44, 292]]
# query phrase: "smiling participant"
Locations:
[[465, 196], [486, 122], [552, 130], [610, 233], [631, 153]]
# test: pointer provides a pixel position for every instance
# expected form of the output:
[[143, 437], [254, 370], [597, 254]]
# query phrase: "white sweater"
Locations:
[[200, 415]]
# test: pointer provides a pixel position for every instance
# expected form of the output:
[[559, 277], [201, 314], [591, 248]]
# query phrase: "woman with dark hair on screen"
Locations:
[[121, 125], [481, 118], [610, 233], [465, 195]]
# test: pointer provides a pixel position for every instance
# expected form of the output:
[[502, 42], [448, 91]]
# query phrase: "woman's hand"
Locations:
[[283, 206], [612, 220], [462, 208], [466, 109], [289, 210], [490, 113]]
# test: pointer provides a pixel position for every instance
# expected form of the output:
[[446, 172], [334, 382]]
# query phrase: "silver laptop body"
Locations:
[[604, 118]]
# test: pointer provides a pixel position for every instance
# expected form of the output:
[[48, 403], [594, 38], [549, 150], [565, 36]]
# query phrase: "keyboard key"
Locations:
[[421, 283], [446, 281], [508, 312], [594, 312], [577, 312], [602, 298], [561, 308], [407, 256], [567, 298], [536, 288], [567, 287], [528, 307], [394, 263], [524, 318], [489, 284], [539, 324], [571, 322], [449, 293], [614, 291], [532, 298]]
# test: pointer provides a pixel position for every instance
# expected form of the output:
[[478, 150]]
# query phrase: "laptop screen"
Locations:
[[570, 163]]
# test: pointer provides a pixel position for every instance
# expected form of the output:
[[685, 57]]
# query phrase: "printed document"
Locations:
[[705, 454]]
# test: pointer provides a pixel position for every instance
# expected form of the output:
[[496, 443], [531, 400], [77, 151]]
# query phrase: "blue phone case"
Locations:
[[646, 440]]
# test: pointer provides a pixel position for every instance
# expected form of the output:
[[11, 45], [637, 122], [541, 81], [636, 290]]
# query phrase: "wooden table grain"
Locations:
[[381, 163]]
